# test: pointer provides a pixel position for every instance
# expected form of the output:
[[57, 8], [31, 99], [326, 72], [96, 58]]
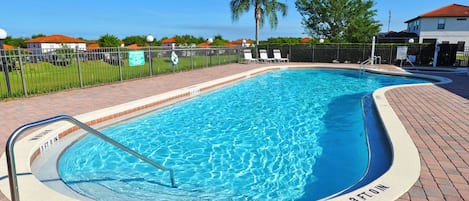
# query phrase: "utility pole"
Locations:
[[389, 21]]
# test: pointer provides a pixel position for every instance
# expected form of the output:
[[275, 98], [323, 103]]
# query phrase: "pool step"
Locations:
[[152, 191]]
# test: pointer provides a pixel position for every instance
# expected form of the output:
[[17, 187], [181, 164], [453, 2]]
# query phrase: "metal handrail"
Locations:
[[12, 177]]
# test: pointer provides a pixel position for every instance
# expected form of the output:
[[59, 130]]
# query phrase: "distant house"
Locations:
[[133, 47], [449, 24], [51, 43], [93, 45], [306, 40], [239, 42], [396, 37], [168, 43], [8, 47]]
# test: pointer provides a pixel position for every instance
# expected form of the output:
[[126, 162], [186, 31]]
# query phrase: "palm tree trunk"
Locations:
[[257, 14]]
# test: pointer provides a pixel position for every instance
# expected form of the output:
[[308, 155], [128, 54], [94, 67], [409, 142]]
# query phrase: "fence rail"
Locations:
[[37, 71]]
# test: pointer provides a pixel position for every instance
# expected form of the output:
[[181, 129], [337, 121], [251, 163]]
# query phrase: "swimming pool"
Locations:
[[281, 135]]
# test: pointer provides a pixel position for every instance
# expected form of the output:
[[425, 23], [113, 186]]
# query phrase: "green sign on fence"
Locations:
[[136, 58]]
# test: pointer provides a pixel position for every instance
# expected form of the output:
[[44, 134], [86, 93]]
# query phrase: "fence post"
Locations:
[[218, 53], [6, 69], [80, 76], [390, 55], [150, 60], [206, 58], [312, 55], [338, 54], [192, 57], [119, 60], [22, 73]]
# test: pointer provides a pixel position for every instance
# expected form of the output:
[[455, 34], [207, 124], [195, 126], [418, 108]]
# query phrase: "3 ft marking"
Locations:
[[49, 143], [371, 193]]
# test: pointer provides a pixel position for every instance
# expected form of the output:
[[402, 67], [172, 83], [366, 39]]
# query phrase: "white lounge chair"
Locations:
[[278, 56], [264, 57], [248, 56]]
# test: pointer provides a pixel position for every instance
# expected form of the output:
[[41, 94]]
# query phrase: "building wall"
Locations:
[[38, 48], [451, 24], [450, 36], [456, 29]]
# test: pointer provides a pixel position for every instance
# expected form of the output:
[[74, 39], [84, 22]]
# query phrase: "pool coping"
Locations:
[[400, 178]]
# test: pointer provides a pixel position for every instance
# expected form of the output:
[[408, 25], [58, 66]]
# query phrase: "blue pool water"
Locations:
[[284, 135]]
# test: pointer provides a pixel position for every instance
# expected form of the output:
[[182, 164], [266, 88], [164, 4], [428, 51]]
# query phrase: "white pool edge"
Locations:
[[402, 174]]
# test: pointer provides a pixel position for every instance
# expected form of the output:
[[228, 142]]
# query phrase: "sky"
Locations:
[[91, 19]]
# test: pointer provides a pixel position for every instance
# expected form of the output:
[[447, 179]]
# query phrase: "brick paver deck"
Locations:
[[436, 117]]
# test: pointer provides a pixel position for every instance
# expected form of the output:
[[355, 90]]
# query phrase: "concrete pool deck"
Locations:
[[443, 151]]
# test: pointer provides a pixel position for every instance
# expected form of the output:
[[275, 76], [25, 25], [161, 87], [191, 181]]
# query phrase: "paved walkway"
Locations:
[[436, 117]]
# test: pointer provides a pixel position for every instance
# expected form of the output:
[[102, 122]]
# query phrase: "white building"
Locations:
[[449, 24], [51, 43]]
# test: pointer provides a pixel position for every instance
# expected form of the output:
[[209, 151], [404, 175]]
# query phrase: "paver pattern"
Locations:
[[436, 117]]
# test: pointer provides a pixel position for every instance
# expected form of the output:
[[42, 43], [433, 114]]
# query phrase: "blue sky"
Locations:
[[206, 18]]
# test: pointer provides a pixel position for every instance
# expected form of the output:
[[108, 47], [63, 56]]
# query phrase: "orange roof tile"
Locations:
[[8, 47], [133, 47], [230, 45], [452, 10], [204, 44], [57, 38], [306, 40], [169, 40], [92, 46], [240, 41]]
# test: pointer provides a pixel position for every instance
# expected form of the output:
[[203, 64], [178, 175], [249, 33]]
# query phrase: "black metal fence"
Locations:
[[36, 71], [351, 53]]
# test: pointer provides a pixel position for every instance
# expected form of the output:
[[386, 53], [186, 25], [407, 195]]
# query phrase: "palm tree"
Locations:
[[263, 9]]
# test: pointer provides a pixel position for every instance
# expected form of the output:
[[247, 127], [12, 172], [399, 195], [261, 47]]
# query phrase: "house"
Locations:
[[51, 43], [168, 42], [93, 45], [447, 25], [239, 42], [8, 47], [306, 40], [397, 37]]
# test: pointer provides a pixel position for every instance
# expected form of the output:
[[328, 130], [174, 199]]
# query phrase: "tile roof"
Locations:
[[92, 46], [57, 38], [204, 44], [240, 41], [133, 47], [169, 40], [8, 47], [452, 10], [306, 40]]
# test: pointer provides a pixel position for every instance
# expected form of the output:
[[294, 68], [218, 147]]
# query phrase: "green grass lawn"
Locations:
[[44, 77]]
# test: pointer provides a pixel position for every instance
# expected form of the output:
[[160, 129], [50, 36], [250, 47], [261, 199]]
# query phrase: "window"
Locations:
[[417, 24], [441, 23], [461, 19]]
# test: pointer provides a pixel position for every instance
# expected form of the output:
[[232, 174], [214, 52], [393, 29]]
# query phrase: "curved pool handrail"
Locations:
[[12, 177]]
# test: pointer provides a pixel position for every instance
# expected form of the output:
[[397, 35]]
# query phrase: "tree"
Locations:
[[218, 40], [37, 35], [108, 40], [16, 42], [188, 40], [339, 20], [139, 40], [263, 9]]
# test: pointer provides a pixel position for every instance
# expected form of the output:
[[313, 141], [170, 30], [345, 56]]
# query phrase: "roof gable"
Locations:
[[452, 10], [57, 38]]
